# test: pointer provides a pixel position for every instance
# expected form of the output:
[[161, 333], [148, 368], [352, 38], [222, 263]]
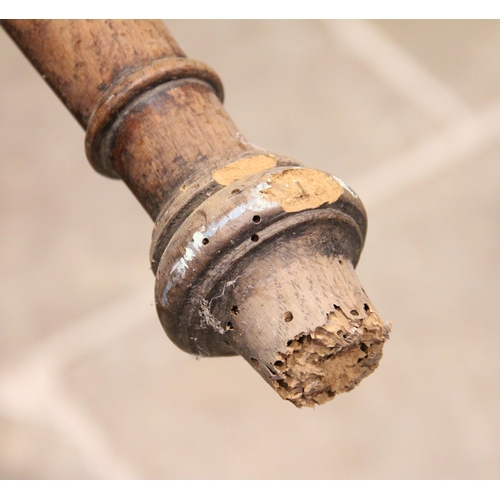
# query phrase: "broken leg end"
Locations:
[[264, 268]]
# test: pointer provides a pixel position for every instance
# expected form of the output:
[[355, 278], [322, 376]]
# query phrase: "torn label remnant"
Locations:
[[241, 168], [297, 189]]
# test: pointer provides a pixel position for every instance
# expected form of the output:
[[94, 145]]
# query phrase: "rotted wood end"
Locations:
[[334, 357], [264, 268]]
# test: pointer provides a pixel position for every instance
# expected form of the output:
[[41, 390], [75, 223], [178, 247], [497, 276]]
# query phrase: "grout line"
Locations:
[[31, 390], [36, 398], [94, 331], [441, 151], [399, 68]]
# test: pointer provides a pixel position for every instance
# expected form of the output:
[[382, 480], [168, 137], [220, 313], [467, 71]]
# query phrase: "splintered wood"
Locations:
[[331, 359], [317, 333]]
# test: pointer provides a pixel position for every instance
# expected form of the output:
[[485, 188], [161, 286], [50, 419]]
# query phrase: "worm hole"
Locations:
[[255, 237], [256, 219], [205, 241], [288, 316], [235, 311]]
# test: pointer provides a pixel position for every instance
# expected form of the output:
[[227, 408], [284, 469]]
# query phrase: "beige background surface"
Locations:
[[408, 114]]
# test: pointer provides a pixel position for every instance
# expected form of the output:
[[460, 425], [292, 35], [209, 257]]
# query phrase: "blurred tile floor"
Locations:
[[408, 114]]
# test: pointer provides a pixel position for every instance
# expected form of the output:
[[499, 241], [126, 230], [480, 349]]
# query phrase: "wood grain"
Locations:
[[81, 59], [253, 254]]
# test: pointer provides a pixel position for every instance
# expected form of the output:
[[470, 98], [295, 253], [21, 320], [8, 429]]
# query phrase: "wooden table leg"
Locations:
[[253, 253]]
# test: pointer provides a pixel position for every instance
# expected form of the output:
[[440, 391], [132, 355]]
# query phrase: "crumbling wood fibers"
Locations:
[[331, 359]]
